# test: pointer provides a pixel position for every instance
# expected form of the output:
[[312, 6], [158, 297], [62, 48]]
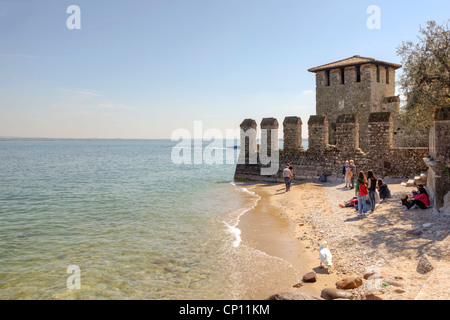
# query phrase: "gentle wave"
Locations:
[[233, 226]]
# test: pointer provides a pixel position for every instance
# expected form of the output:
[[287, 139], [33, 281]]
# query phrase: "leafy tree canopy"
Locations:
[[425, 80]]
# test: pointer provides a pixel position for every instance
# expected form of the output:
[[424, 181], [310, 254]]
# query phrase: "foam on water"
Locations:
[[235, 217]]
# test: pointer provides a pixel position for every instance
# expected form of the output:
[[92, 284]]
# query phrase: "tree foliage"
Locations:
[[425, 80]]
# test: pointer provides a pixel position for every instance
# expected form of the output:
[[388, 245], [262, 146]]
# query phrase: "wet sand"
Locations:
[[268, 229]]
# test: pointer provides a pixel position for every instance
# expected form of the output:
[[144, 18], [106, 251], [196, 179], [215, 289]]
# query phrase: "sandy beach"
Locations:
[[392, 239]]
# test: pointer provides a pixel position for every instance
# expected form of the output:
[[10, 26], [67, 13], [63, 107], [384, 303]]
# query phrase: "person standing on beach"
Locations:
[[287, 174], [351, 171], [361, 193], [371, 186], [344, 173], [292, 174]]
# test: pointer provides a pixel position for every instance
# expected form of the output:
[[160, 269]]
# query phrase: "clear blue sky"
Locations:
[[141, 69]]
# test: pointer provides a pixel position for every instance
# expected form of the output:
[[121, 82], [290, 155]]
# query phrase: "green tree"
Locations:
[[425, 80]]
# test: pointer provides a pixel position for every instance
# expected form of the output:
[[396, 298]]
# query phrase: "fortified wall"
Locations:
[[357, 118], [322, 157]]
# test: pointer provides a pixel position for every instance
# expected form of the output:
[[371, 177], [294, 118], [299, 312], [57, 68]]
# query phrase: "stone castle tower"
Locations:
[[356, 85]]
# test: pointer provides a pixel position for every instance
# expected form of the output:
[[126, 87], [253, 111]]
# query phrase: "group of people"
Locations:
[[420, 198], [365, 188]]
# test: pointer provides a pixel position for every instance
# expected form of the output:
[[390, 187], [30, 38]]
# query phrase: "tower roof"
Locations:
[[353, 61]]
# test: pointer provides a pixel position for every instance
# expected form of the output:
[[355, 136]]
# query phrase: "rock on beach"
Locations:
[[332, 294], [293, 296], [349, 283], [309, 277]]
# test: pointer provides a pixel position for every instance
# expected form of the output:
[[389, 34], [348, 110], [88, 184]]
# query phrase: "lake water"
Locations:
[[136, 225]]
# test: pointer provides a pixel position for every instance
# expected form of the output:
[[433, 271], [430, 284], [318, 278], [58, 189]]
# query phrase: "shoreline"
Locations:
[[304, 217]]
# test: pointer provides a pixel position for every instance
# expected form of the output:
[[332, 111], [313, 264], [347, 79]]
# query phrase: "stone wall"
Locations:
[[322, 157], [372, 91], [292, 132], [442, 158]]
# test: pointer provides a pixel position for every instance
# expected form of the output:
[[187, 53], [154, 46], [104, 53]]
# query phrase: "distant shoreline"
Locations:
[[77, 139], [6, 138]]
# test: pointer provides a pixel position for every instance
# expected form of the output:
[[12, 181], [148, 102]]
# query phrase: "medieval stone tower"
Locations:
[[356, 85]]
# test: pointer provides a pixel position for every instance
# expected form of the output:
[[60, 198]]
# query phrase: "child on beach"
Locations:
[[371, 186], [344, 173], [361, 193], [351, 173]]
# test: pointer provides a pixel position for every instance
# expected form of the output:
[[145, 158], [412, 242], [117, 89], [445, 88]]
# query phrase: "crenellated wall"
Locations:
[[321, 157]]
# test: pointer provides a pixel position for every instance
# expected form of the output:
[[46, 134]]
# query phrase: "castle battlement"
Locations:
[[321, 156], [356, 109], [356, 113]]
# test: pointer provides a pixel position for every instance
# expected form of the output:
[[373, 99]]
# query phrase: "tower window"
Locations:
[[387, 75], [358, 73], [327, 75], [342, 76], [378, 73]]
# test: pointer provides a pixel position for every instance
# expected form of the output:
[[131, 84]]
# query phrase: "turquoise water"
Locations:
[[136, 225]]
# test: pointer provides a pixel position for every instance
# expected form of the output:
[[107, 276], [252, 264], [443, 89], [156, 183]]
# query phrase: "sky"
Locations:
[[142, 69]]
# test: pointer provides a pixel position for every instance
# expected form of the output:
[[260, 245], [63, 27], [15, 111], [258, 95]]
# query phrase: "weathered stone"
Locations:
[[357, 84], [349, 283], [375, 272], [415, 232], [424, 265], [394, 283], [371, 296], [309, 277], [332, 293], [441, 154], [293, 296]]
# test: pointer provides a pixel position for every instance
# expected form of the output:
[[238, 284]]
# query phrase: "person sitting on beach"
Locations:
[[422, 200], [287, 174], [383, 190], [404, 199], [353, 202]]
